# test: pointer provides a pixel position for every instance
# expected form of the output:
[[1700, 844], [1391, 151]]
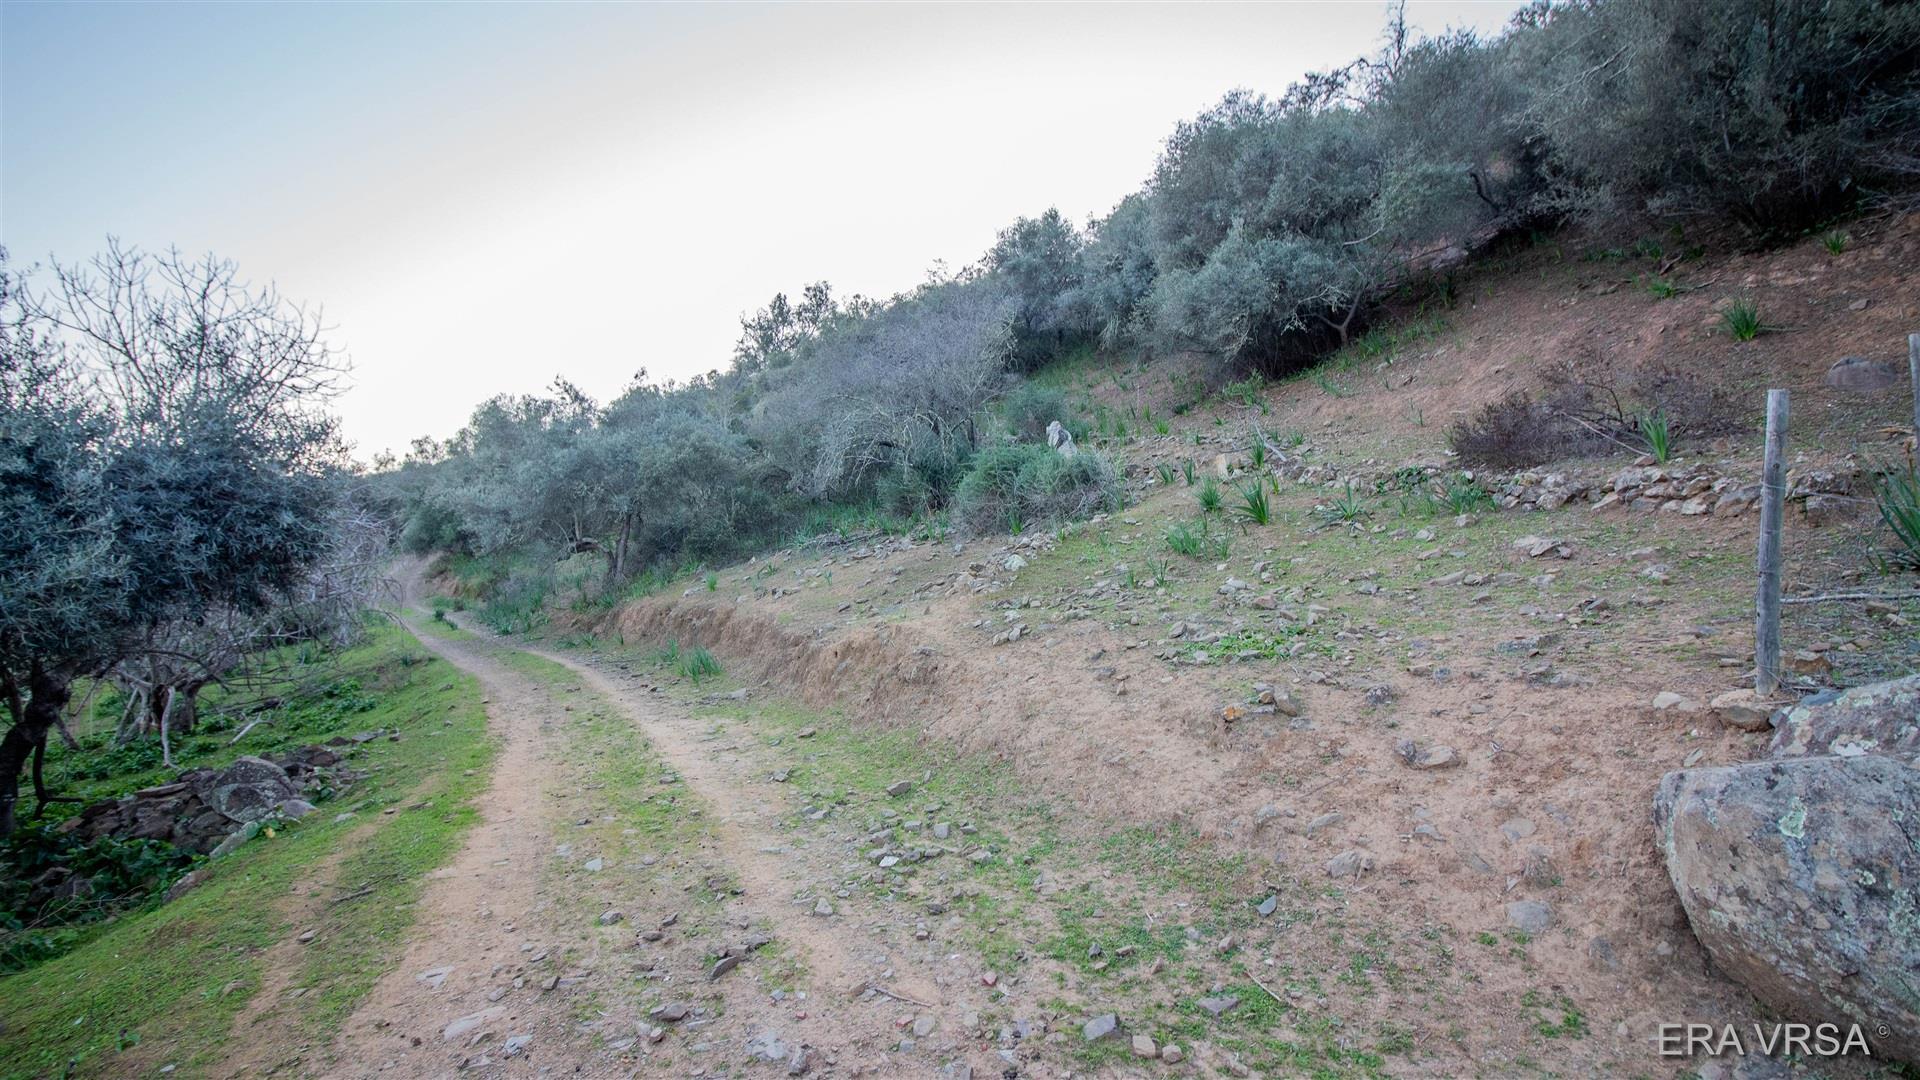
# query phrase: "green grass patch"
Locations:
[[161, 985]]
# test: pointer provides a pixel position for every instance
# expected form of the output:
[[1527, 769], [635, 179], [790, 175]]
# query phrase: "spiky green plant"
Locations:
[[1658, 433], [1835, 241], [1254, 507], [696, 664], [1345, 507], [1464, 496], [1182, 539], [1897, 492], [1741, 320], [1186, 470], [1209, 496]]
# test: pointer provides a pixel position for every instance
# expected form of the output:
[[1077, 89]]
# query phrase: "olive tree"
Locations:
[[162, 457]]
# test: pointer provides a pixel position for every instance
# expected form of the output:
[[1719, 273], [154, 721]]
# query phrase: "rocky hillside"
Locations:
[[1437, 701]]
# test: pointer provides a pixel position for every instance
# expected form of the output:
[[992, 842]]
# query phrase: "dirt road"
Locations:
[[563, 938]]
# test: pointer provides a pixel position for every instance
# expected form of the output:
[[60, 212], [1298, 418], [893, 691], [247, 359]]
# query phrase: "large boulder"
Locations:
[[1879, 718], [249, 789], [1801, 878], [1862, 375]]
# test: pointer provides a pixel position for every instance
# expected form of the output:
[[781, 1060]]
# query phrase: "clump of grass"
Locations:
[[1464, 495], [1327, 384], [1835, 241], [696, 664], [713, 581], [1184, 539], [1741, 320], [1658, 433], [1186, 470], [1257, 453], [1663, 288], [1254, 507], [1209, 496]]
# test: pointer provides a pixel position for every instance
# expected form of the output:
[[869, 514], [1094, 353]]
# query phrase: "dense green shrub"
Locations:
[[1772, 113], [50, 879], [1013, 487], [1029, 407]]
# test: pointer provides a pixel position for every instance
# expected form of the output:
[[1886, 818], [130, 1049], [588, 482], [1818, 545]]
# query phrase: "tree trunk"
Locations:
[[617, 562], [48, 694]]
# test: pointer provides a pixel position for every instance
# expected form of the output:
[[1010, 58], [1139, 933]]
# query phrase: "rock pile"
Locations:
[[1800, 874], [202, 807], [1822, 494]]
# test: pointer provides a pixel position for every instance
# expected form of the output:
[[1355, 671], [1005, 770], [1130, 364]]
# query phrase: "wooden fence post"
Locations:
[[1913, 372], [1773, 497]]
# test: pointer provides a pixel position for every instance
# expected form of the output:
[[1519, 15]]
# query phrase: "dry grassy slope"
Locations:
[[1545, 695]]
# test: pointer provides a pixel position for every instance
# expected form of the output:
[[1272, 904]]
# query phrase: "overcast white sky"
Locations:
[[484, 197]]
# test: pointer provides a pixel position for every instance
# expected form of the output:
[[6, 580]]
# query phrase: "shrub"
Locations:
[[518, 604], [1774, 114], [1029, 407], [1834, 241], [1031, 485], [116, 873], [1511, 433], [1574, 418]]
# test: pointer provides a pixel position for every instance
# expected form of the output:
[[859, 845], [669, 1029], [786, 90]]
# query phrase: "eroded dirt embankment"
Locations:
[[1547, 804]]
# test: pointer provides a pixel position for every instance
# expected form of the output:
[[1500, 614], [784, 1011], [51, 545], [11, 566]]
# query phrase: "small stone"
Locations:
[[899, 788], [1350, 863], [822, 908], [1100, 1027], [1325, 821], [608, 918], [1745, 709], [1668, 701], [1268, 906], [1220, 1004], [434, 977], [1143, 1047], [1530, 916], [1172, 1054], [923, 1026], [471, 1023]]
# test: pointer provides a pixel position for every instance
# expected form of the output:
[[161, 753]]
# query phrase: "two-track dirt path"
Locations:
[[511, 969]]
